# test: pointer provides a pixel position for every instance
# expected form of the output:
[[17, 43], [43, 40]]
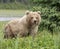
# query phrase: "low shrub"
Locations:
[[50, 18]]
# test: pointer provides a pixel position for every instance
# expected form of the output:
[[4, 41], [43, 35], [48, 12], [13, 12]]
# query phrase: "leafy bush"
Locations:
[[50, 18], [50, 14], [47, 3]]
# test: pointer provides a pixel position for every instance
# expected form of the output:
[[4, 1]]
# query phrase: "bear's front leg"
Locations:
[[22, 34], [33, 31]]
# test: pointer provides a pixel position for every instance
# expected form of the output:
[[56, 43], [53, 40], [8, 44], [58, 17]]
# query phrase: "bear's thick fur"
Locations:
[[27, 25]]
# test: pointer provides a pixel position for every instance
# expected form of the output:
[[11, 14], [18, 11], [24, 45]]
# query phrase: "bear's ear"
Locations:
[[38, 12], [27, 12]]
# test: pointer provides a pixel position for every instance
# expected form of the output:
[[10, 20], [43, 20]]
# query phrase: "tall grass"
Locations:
[[44, 40]]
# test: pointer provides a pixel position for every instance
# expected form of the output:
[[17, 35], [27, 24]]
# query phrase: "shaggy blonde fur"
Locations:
[[27, 25]]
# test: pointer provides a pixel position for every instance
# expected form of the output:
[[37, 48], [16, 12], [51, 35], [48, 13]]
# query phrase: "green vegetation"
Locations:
[[43, 40], [50, 13], [50, 19], [13, 6]]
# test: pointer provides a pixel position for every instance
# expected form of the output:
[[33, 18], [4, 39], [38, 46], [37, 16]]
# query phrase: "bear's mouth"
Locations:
[[35, 23]]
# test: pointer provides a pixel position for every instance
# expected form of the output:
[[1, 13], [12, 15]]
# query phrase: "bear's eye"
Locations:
[[36, 17], [31, 17]]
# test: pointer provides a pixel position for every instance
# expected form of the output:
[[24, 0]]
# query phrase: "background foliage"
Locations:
[[14, 4], [50, 13]]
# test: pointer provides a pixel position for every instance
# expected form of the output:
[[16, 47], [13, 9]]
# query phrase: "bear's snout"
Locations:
[[35, 21]]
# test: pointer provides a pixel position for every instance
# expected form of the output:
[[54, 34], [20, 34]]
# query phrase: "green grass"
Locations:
[[44, 40], [12, 13], [13, 6]]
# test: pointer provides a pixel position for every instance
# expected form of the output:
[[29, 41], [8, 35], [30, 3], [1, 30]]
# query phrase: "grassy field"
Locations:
[[12, 13], [43, 40]]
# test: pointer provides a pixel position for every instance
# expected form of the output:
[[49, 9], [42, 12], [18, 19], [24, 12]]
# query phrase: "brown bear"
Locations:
[[27, 25]]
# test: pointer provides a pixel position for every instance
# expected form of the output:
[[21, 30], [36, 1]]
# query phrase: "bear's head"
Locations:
[[33, 18]]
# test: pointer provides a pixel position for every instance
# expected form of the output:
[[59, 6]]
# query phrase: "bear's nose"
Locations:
[[35, 21]]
